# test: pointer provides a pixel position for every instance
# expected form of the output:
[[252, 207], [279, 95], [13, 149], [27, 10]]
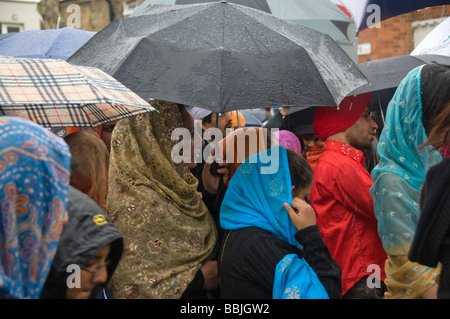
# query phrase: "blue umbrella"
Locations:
[[45, 44]]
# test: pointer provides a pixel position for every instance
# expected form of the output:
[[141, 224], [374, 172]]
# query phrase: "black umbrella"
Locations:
[[386, 74], [320, 15], [222, 57]]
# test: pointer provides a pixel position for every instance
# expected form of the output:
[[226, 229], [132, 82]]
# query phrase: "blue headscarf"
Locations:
[[255, 198], [399, 176], [34, 184]]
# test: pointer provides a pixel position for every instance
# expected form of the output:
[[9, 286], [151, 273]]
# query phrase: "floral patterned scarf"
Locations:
[[34, 185], [168, 231]]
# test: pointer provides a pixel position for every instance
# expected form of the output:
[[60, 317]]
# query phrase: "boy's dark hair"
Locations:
[[435, 92], [208, 118], [300, 171]]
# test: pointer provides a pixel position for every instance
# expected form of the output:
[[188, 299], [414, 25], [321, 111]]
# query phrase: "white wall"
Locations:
[[21, 13]]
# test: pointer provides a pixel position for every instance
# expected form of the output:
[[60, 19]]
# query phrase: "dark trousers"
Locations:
[[361, 291]]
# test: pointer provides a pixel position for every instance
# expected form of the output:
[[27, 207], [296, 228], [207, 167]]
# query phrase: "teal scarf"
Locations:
[[399, 176], [255, 198]]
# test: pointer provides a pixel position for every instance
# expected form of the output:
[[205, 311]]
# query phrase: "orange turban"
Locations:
[[235, 122]]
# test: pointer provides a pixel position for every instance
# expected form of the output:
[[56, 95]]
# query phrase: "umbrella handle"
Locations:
[[381, 109]]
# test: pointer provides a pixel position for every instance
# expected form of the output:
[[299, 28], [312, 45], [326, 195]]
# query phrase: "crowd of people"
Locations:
[[107, 213]]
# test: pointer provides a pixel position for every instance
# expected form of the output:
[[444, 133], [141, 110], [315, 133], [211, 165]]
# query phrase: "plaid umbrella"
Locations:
[[54, 93]]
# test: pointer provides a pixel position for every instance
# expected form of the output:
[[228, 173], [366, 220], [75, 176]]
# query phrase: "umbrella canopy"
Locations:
[[222, 57], [362, 10], [386, 74], [437, 41], [54, 93], [45, 44], [5, 35], [255, 4], [320, 15]]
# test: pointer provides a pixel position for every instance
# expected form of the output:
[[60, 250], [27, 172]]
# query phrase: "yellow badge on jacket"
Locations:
[[99, 219]]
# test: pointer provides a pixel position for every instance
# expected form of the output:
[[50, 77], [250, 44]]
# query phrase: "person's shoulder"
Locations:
[[329, 165], [389, 179], [252, 234], [252, 245], [251, 239]]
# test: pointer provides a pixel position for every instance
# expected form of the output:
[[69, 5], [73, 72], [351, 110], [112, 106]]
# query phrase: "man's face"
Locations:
[[93, 273], [308, 142], [361, 134], [225, 120]]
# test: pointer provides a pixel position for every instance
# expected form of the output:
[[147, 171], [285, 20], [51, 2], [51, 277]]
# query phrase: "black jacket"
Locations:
[[248, 262], [82, 237], [431, 243]]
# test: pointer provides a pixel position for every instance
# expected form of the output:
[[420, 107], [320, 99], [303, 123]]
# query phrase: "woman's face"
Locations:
[[89, 280], [302, 193]]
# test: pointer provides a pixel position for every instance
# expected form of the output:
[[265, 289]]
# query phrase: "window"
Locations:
[[10, 28], [129, 6]]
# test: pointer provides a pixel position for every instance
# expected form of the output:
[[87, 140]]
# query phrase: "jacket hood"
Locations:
[[86, 232]]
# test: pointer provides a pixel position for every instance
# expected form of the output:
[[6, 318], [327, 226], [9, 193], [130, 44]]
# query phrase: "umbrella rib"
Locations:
[[46, 54]]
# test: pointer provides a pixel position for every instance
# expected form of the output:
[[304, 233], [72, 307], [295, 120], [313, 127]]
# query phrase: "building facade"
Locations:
[[399, 35], [19, 15]]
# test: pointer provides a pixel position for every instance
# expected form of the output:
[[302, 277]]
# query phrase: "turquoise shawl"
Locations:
[[399, 176]]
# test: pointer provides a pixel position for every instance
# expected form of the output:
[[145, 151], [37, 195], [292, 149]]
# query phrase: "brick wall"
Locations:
[[395, 35]]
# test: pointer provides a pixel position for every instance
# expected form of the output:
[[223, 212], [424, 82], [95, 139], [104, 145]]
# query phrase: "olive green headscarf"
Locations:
[[168, 231]]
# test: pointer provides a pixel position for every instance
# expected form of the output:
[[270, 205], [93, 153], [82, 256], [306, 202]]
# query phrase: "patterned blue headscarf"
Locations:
[[34, 184], [255, 198], [399, 176]]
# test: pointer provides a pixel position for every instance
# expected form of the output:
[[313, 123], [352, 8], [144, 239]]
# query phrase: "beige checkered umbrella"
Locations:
[[54, 93]]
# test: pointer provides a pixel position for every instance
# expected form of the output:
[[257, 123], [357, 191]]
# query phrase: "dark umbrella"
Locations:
[[222, 57], [299, 121], [386, 74], [320, 15]]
